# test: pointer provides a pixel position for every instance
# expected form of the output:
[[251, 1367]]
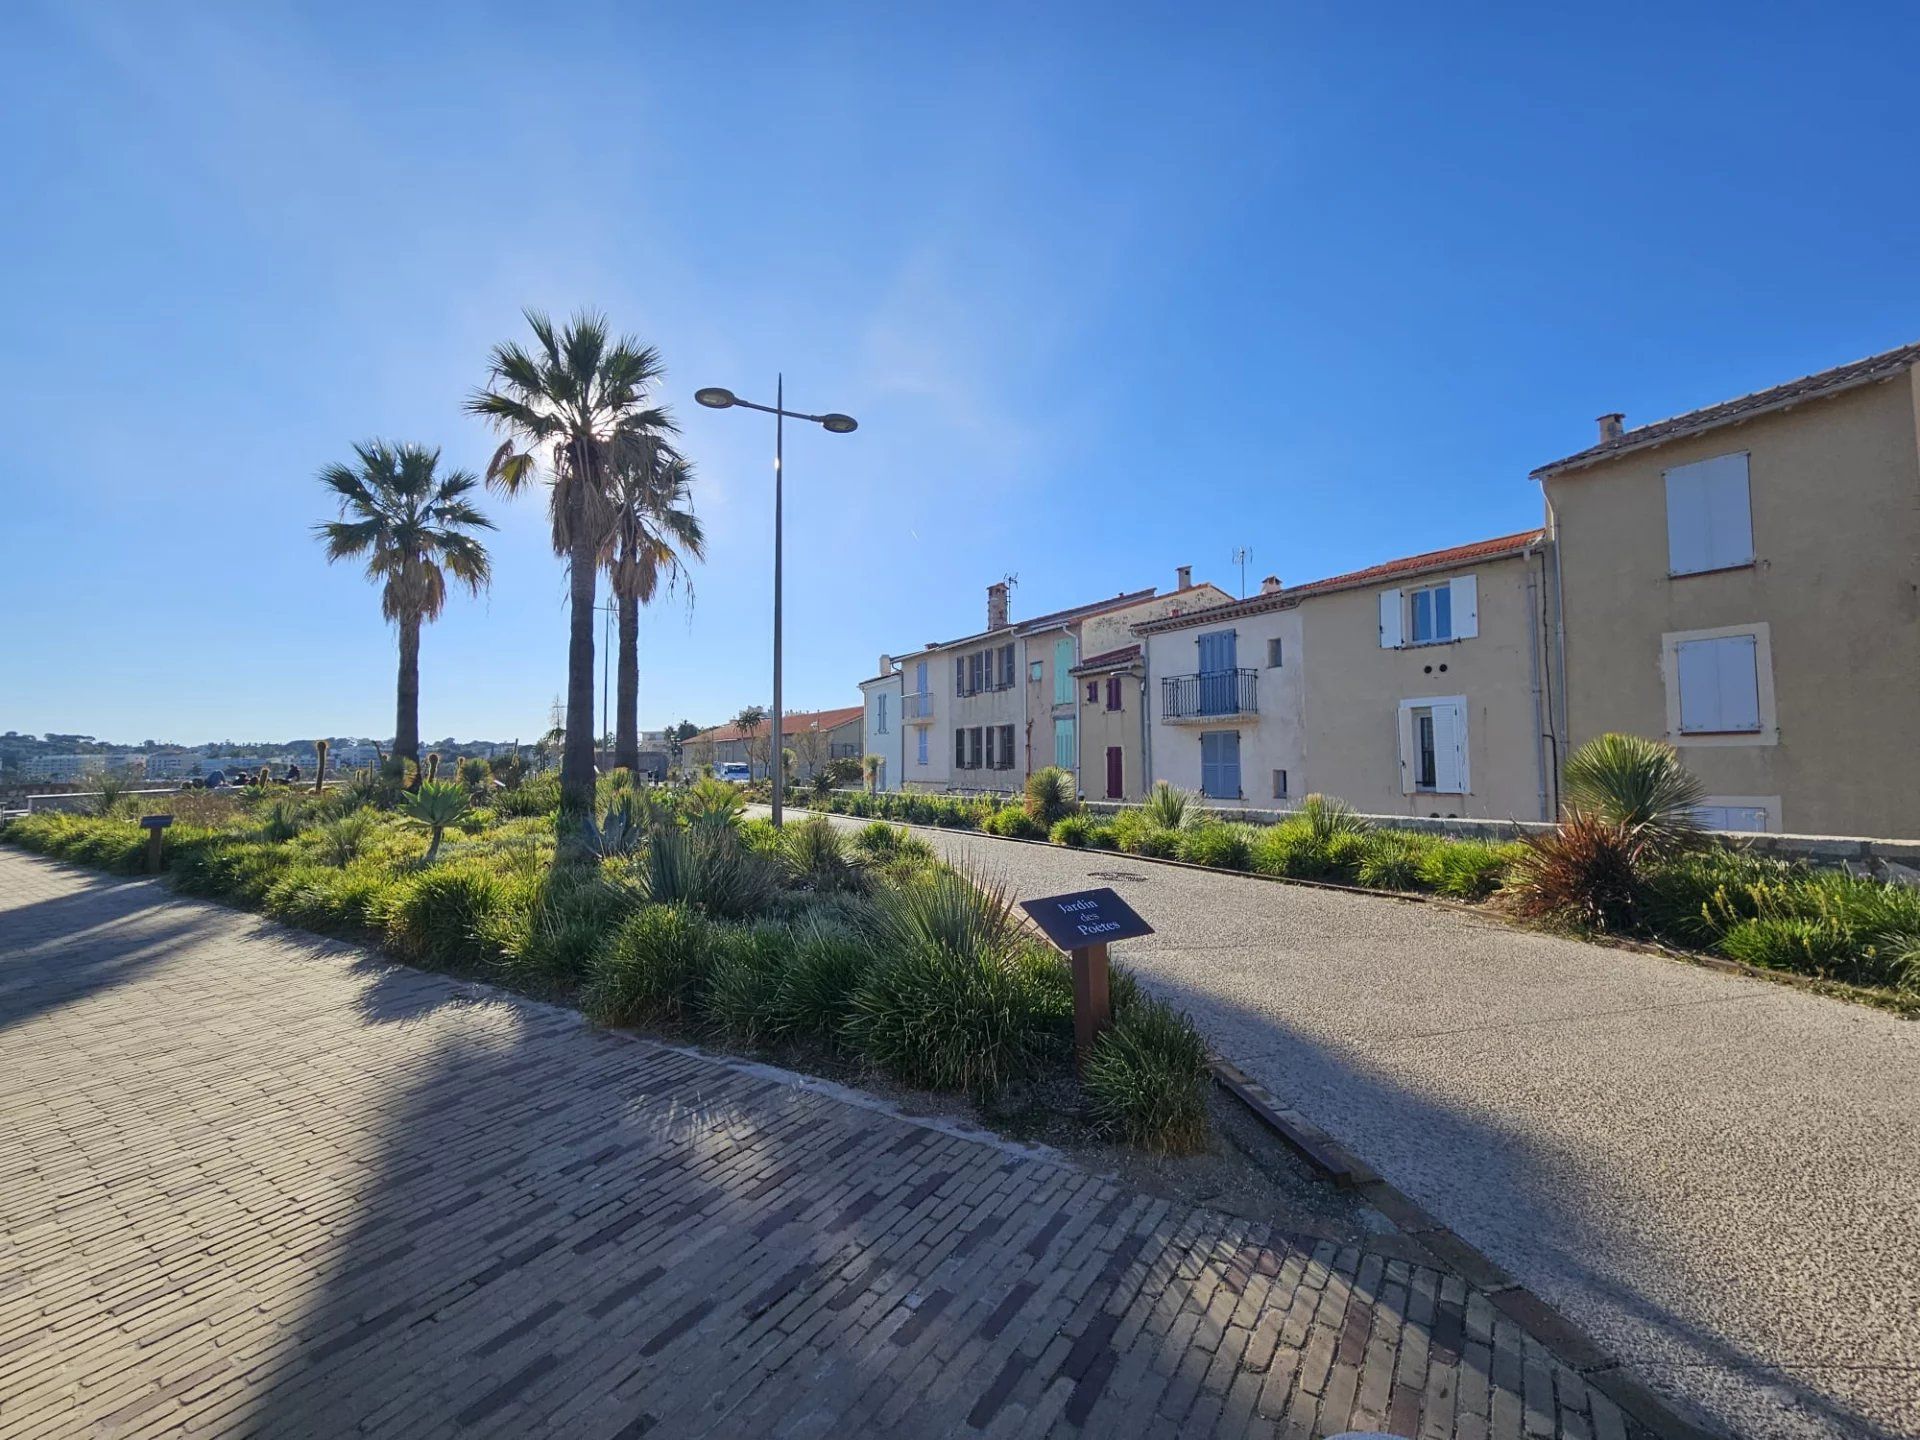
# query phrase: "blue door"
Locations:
[[1218, 672]]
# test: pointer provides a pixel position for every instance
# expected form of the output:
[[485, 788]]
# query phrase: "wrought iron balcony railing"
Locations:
[[1214, 694]]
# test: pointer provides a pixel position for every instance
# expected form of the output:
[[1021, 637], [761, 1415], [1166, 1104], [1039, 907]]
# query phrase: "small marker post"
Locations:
[[1092, 1000], [1082, 924], [156, 827]]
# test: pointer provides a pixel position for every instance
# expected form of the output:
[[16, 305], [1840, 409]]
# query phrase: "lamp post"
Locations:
[[716, 398]]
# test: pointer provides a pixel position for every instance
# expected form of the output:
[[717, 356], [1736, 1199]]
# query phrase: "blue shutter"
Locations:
[[1218, 660], [1220, 764]]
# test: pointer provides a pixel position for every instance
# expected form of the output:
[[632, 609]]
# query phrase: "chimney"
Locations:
[[1270, 585], [1185, 572], [997, 605], [886, 665], [1612, 427]]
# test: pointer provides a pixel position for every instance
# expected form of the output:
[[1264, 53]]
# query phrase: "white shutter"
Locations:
[[1709, 515], [1407, 770], [1698, 670], [1450, 747], [1739, 669], [1719, 685], [1466, 607], [1390, 610]]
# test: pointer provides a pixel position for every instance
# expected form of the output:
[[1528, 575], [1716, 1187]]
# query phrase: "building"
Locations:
[[1744, 581], [62, 768], [880, 696], [814, 736], [1413, 687], [987, 710], [1111, 690]]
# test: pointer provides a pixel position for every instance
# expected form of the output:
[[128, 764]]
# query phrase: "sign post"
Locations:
[[155, 826], [1083, 924]]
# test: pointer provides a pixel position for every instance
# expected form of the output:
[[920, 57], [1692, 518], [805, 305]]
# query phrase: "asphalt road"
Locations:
[[1718, 1177]]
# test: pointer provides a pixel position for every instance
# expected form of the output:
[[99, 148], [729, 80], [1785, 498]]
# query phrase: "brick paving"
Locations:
[[255, 1183]]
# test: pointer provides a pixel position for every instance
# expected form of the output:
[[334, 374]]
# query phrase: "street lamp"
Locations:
[[715, 397]]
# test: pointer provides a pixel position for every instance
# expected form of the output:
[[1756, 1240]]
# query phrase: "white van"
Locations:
[[736, 772]]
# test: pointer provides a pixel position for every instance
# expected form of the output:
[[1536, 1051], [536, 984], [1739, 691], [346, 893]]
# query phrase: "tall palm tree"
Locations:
[[575, 407], [415, 527], [655, 533]]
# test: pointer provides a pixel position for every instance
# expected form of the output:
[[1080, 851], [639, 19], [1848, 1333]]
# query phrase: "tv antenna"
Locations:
[[1242, 554]]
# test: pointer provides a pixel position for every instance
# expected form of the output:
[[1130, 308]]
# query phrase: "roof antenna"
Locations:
[[1242, 554]]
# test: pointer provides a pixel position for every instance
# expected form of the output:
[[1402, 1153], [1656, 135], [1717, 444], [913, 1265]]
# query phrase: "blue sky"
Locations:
[[1110, 289]]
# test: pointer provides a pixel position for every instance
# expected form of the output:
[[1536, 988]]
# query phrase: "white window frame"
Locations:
[[1769, 731], [1727, 535], [1769, 805], [1463, 613], [1462, 747]]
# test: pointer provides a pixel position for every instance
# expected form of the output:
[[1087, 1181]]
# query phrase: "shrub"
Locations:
[[1390, 859], [341, 841], [656, 967], [1808, 944], [710, 797], [742, 996], [1168, 807], [1468, 869], [708, 865], [1327, 819], [883, 842], [1585, 872], [1014, 824], [113, 788], [1146, 1080], [443, 916], [819, 858], [228, 867], [1138, 833], [618, 832], [1695, 896], [825, 970], [475, 774], [1050, 796], [562, 921], [282, 822], [540, 796], [1102, 836], [1072, 830], [1292, 850], [328, 898], [1637, 784], [1225, 847]]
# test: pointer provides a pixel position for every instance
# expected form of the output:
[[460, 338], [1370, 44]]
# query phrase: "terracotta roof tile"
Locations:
[[1727, 412], [794, 722], [1108, 659]]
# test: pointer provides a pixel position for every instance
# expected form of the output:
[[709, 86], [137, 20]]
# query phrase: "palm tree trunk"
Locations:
[[626, 702], [577, 770], [406, 720]]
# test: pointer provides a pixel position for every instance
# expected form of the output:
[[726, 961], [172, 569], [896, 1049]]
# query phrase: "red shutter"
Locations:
[[1116, 773]]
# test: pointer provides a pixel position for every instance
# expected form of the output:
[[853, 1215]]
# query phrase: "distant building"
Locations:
[[814, 736], [67, 768], [886, 725]]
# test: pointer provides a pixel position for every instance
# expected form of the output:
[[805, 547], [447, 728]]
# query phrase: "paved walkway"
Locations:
[[1717, 1177], [258, 1184]]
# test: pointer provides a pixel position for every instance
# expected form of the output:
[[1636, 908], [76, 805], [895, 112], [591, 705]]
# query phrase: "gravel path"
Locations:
[[1718, 1177]]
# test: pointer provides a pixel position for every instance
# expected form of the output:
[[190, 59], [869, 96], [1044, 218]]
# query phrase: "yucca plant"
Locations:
[[1327, 818], [1168, 807], [435, 805], [1051, 795], [711, 796], [819, 858], [1639, 784], [112, 789]]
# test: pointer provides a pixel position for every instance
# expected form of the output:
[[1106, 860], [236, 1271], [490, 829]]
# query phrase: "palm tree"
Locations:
[[575, 407], [655, 533], [415, 528], [748, 723]]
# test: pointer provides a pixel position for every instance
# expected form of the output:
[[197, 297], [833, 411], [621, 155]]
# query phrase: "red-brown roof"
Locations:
[[1107, 660], [1496, 549], [794, 722], [1727, 412]]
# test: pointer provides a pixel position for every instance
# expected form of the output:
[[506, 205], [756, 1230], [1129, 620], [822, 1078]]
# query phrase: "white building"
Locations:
[[886, 729]]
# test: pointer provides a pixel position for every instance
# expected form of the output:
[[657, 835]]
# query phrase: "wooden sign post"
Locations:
[[155, 826], [1082, 924]]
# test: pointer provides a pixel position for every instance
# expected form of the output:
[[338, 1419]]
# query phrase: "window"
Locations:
[[1063, 746], [1006, 666], [1062, 663], [1273, 653], [920, 746], [1037, 671], [1731, 817], [880, 716], [1719, 685], [1709, 518], [1279, 784], [1220, 764], [1430, 615], [1115, 692], [1093, 692], [1433, 745], [993, 747], [960, 749], [1006, 746], [976, 672], [959, 674], [976, 745], [919, 677]]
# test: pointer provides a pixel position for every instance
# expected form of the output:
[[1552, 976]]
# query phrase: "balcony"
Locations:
[[917, 709], [1211, 695]]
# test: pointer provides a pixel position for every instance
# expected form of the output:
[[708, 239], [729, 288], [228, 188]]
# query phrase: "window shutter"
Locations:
[[1739, 682], [1719, 685], [959, 749], [1390, 610], [1450, 746], [1407, 770], [1709, 515], [1466, 606], [959, 674]]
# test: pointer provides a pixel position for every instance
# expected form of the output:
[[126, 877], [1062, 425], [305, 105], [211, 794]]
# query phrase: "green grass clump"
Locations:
[[1146, 1080], [1013, 823], [1138, 833], [819, 858], [824, 971], [886, 843], [328, 898], [540, 796], [1469, 869], [656, 967], [743, 991], [709, 865], [1224, 847], [1074, 831], [1390, 860], [443, 916], [558, 923], [339, 842]]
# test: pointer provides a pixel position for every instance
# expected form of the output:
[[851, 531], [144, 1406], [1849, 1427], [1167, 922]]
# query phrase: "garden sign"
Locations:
[[1083, 924]]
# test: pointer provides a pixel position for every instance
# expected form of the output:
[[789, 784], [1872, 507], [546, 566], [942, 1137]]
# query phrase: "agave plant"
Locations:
[[619, 833], [435, 805], [1637, 784]]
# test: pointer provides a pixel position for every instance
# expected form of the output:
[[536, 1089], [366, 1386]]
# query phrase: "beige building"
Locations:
[[1414, 687], [1111, 696], [1744, 581]]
